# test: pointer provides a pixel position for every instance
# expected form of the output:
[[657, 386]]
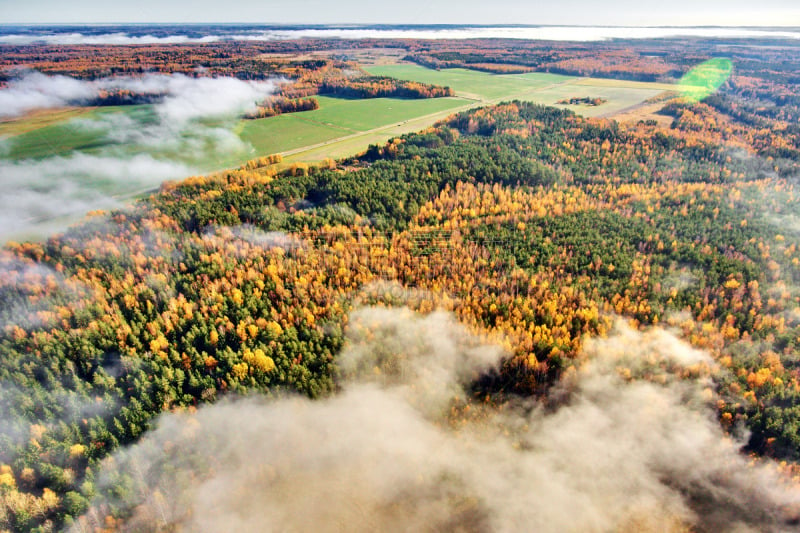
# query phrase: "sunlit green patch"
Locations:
[[705, 79]]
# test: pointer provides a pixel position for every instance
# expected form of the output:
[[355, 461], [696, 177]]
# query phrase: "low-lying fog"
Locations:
[[187, 131]]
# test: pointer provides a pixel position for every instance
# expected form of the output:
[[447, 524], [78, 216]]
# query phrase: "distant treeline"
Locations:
[[382, 87], [283, 105], [125, 97]]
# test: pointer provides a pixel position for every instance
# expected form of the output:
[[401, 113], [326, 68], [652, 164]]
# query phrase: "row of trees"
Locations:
[[382, 87], [279, 106], [585, 100]]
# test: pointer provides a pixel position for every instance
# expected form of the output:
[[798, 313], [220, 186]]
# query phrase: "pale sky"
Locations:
[[579, 12]]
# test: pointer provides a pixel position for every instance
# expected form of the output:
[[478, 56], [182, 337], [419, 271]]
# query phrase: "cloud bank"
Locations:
[[37, 191], [613, 452], [36, 91], [185, 98], [116, 38], [545, 33]]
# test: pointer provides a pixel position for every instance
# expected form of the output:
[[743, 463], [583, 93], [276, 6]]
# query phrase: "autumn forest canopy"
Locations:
[[573, 309]]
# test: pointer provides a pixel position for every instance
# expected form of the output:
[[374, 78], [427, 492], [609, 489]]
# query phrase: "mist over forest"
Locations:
[[460, 278]]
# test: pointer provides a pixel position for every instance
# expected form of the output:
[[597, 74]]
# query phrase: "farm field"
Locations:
[[123, 130], [337, 118], [473, 83], [352, 144], [58, 132], [473, 87], [538, 87], [40, 119], [617, 98]]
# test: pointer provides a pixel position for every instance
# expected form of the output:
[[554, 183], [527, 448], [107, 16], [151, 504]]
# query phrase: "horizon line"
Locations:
[[392, 25]]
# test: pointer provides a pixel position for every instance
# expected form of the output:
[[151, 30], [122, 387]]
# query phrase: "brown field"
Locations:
[[608, 82], [39, 119], [646, 111]]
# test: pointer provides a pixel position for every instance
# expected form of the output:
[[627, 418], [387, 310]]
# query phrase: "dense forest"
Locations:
[[536, 228]]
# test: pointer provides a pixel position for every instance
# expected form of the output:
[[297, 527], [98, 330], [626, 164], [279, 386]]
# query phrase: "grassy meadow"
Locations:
[[337, 118], [471, 83], [538, 87], [58, 132]]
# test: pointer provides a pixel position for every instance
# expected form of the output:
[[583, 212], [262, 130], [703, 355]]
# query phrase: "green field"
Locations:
[[94, 132], [40, 119], [473, 83], [617, 98], [308, 136], [539, 87], [337, 118], [286, 132], [55, 133]]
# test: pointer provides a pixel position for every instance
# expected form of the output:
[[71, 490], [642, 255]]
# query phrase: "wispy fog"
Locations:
[[36, 91], [36, 191], [185, 98], [614, 452], [545, 33], [24, 286], [187, 131], [116, 38]]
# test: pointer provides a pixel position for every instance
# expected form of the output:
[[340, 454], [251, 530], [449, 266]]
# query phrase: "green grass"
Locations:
[[353, 144], [337, 118], [70, 134], [286, 132], [76, 134], [704, 79], [542, 88], [362, 115], [53, 139], [471, 82]]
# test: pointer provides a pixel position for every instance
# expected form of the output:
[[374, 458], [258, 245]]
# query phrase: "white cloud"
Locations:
[[190, 98], [117, 38], [35, 90], [546, 33], [36, 191], [185, 98]]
